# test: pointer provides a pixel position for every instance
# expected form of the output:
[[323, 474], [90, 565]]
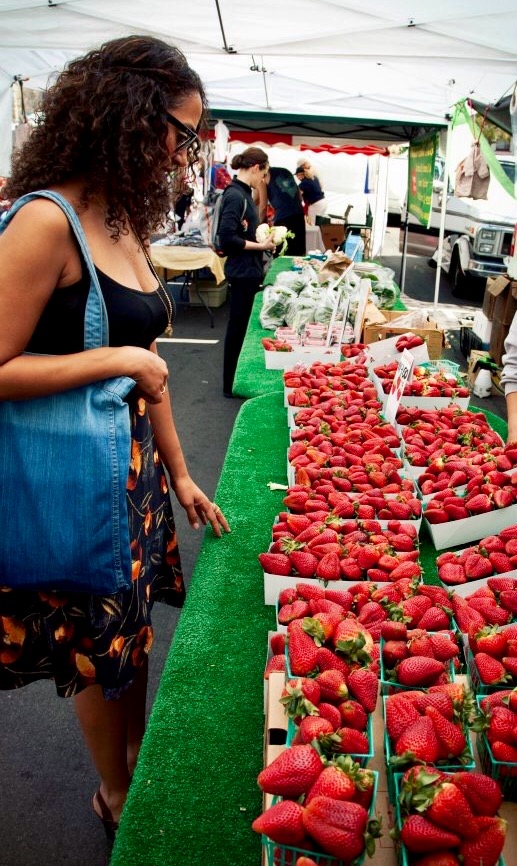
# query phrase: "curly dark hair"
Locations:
[[103, 120]]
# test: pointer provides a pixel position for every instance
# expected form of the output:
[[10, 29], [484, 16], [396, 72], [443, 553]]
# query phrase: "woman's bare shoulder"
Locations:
[[39, 217]]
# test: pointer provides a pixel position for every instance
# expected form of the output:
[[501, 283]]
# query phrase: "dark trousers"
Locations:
[[242, 295], [295, 224]]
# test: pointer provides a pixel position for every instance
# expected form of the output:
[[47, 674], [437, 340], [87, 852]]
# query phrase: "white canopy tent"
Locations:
[[354, 68]]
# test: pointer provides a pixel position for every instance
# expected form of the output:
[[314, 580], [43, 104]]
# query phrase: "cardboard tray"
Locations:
[[470, 528], [301, 355]]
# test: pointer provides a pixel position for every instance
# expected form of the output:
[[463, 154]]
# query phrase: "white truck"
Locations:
[[478, 232]]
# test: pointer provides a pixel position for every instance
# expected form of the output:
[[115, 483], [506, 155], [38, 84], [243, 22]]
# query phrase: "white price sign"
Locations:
[[401, 379]]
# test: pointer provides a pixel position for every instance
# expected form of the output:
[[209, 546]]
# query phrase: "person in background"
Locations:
[[509, 379], [244, 267], [310, 187], [117, 124], [285, 198], [182, 206]]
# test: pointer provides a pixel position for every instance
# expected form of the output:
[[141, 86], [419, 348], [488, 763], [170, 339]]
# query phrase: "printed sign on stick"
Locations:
[[401, 379]]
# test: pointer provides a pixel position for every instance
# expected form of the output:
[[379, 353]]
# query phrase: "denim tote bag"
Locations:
[[64, 464]]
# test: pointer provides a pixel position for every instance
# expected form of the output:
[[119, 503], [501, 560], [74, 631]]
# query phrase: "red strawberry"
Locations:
[[508, 600], [337, 826], [302, 650], [394, 631], [450, 735], [418, 742], [504, 752], [328, 567], [420, 835], [275, 663], [437, 858], [434, 619], [451, 810], [477, 566], [331, 713], [491, 671], [292, 773], [310, 591], [491, 640], [333, 686], [300, 697], [419, 671], [510, 664], [393, 651], [399, 715], [353, 715], [364, 686], [483, 793], [486, 848], [304, 562], [349, 741], [283, 823], [452, 573], [290, 612], [275, 563], [277, 643], [443, 647], [312, 727], [333, 782]]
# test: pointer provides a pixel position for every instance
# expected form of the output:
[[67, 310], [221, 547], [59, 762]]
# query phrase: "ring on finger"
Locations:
[[162, 389]]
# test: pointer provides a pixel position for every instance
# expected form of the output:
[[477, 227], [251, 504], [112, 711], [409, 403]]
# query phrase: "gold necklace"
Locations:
[[166, 299]]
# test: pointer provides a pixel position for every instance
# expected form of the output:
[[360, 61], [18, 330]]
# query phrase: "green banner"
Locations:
[[420, 178]]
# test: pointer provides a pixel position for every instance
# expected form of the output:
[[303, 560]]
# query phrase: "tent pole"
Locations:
[[404, 253], [443, 211]]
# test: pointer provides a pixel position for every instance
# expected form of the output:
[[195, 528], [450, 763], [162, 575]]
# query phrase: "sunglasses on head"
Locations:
[[186, 136]]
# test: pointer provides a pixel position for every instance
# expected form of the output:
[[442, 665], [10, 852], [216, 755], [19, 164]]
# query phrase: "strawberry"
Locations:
[[340, 596], [399, 715], [331, 713], [312, 728], [303, 562], [420, 835], [302, 650], [328, 567], [439, 700], [487, 846], [443, 647], [452, 573], [508, 600], [289, 612], [283, 823], [275, 563], [348, 741], [332, 685], [364, 686], [396, 631], [275, 663], [353, 715], [418, 742], [437, 858], [419, 671], [490, 670], [510, 664], [321, 626], [300, 697], [292, 773], [505, 753], [491, 640], [483, 793], [328, 660], [450, 809], [434, 619], [337, 826], [450, 735], [277, 643], [333, 782], [393, 651]]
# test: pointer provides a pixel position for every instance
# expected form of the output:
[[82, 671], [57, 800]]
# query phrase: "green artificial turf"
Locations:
[[194, 793]]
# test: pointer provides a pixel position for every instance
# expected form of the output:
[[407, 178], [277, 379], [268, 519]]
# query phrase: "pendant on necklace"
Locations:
[[168, 331]]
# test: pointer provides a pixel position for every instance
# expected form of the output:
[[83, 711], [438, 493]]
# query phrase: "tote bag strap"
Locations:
[[96, 333]]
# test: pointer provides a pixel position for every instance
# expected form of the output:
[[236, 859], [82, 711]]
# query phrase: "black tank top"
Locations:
[[135, 318]]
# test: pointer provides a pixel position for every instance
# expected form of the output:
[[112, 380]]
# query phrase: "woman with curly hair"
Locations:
[[114, 126]]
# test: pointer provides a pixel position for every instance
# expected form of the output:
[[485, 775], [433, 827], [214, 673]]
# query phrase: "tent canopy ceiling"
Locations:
[[347, 66]]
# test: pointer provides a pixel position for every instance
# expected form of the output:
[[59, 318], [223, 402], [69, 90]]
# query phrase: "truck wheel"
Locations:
[[460, 281]]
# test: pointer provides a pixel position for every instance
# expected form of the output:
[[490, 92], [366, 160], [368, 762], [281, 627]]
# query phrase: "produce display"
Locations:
[[425, 383], [356, 618]]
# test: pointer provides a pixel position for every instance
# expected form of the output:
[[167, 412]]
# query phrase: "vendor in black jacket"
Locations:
[[244, 267]]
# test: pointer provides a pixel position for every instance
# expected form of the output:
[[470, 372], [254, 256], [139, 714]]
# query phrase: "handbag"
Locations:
[[64, 465]]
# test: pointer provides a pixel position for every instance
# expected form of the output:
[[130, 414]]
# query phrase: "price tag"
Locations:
[[401, 379]]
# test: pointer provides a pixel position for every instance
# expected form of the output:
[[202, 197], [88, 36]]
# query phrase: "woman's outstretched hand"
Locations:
[[199, 507]]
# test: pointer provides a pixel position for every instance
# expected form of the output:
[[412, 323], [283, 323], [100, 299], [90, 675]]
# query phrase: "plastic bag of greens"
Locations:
[[274, 302], [300, 311], [325, 307]]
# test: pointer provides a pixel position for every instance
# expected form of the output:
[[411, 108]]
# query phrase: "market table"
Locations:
[[177, 258], [194, 792]]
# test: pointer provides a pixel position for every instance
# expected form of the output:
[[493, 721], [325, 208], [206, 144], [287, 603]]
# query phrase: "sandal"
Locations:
[[110, 826]]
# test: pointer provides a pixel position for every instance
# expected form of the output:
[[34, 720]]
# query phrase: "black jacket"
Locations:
[[234, 230]]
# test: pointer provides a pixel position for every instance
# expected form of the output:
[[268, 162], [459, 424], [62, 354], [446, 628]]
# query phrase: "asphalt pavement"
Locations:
[[47, 778]]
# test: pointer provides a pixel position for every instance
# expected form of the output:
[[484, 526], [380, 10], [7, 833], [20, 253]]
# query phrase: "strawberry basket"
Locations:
[[450, 767], [362, 759], [402, 852], [286, 855]]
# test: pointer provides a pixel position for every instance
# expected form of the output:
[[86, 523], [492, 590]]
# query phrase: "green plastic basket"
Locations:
[[361, 759], [442, 365], [475, 682], [451, 767], [286, 855], [402, 852], [389, 688]]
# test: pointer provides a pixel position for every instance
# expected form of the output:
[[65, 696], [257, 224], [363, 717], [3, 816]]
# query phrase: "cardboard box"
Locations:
[[482, 326], [275, 728], [497, 338], [504, 291], [381, 330], [489, 301], [471, 528], [207, 290], [333, 236], [301, 355]]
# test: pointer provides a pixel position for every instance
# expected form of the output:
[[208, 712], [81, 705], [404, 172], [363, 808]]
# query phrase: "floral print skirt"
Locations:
[[79, 639]]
